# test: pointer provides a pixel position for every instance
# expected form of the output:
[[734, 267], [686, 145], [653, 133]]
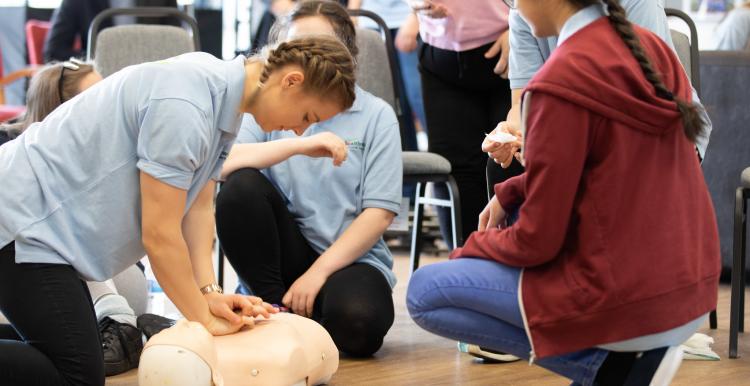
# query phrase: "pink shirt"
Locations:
[[470, 24]]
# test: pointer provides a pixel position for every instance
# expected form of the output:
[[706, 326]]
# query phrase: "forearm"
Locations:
[[170, 260], [260, 155], [354, 4], [356, 240], [514, 114], [198, 231]]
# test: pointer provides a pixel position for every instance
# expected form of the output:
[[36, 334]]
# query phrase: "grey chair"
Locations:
[[378, 73], [687, 51], [739, 251], [726, 76], [117, 47]]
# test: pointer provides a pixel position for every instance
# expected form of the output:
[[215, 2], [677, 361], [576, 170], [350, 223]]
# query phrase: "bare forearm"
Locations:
[[357, 239], [198, 230], [514, 114], [169, 258], [260, 155]]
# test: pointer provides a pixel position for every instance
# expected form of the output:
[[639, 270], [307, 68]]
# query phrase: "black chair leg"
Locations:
[[712, 320], [743, 261], [737, 273], [456, 201], [416, 233]]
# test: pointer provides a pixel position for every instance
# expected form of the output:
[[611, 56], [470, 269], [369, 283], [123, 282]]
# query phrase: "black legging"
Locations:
[[50, 308], [463, 100], [265, 246]]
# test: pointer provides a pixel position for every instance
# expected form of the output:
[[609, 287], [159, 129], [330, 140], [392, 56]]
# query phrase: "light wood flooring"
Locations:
[[412, 356]]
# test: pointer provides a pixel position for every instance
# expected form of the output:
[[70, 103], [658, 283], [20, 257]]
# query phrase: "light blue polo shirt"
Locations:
[[528, 53], [325, 199], [71, 190], [733, 34], [393, 13]]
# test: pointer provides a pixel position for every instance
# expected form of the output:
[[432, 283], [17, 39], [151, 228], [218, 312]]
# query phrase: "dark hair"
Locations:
[[332, 11], [691, 119], [44, 93], [326, 62]]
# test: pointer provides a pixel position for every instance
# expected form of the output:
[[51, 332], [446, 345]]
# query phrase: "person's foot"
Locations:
[[121, 344], [655, 367], [487, 355], [152, 324]]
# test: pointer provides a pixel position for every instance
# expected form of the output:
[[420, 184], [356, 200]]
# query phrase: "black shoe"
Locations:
[[122, 345], [152, 324], [656, 367]]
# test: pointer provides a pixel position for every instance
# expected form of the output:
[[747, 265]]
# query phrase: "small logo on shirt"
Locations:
[[355, 144], [223, 155]]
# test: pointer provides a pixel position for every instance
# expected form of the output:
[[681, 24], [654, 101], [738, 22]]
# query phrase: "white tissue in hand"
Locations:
[[502, 137]]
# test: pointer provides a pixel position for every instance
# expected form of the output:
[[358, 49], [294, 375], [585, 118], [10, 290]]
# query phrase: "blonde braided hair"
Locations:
[[326, 63]]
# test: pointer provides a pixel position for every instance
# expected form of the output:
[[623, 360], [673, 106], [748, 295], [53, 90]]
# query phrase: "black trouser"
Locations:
[[263, 243], [50, 308], [463, 100]]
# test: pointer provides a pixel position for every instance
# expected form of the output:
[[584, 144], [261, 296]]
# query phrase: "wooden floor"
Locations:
[[411, 356]]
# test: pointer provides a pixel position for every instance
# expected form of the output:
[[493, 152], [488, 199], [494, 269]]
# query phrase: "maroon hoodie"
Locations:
[[616, 232]]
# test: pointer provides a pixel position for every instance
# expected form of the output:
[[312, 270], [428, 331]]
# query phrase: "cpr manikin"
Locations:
[[285, 350]]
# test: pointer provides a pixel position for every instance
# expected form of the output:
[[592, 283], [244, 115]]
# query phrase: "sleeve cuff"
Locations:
[[176, 178], [388, 205]]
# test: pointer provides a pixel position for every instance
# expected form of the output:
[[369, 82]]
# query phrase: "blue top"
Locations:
[[393, 12], [528, 53], [325, 199], [71, 190], [733, 33]]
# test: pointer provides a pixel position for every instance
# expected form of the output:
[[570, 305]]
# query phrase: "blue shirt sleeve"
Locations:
[[525, 52], [250, 131], [734, 33], [650, 15], [173, 141], [383, 170]]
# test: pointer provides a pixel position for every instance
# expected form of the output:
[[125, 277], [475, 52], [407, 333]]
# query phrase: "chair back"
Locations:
[[117, 47], [726, 79], [36, 33]]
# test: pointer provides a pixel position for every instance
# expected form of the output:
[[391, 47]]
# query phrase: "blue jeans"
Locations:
[[476, 301]]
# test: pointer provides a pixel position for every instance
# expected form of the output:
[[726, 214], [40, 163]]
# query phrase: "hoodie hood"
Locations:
[[597, 71]]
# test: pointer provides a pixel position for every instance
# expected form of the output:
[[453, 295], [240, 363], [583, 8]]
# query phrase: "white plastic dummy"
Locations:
[[285, 350]]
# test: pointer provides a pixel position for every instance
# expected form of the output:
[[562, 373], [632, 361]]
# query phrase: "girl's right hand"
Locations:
[[220, 326], [503, 153], [325, 144], [493, 216]]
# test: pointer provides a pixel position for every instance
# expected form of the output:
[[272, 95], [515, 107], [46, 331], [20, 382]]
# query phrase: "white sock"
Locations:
[[115, 307]]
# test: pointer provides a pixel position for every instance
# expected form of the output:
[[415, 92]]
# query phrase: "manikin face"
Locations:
[[294, 110]]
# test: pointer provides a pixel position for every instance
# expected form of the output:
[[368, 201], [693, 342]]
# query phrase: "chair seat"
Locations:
[[419, 162], [746, 178], [8, 112]]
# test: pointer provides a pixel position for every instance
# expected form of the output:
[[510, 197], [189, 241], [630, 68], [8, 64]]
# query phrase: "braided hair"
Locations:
[[691, 119], [326, 63]]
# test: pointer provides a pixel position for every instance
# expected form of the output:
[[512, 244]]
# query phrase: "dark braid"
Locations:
[[691, 119]]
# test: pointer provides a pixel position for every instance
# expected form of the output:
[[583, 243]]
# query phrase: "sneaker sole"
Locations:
[[477, 352], [668, 367]]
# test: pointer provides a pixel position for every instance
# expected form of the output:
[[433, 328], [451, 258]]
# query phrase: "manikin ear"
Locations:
[[292, 79]]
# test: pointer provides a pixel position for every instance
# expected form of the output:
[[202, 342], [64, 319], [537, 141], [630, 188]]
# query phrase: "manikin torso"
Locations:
[[286, 350]]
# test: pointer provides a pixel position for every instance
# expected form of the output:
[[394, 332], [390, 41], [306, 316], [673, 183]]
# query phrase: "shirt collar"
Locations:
[[579, 20], [359, 96], [231, 116]]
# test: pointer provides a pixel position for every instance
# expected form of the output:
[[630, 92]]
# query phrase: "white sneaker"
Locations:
[[489, 356], [668, 367]]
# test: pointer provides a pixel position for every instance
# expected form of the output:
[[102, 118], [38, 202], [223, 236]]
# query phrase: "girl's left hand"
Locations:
[[235, 308], [300, 297]]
